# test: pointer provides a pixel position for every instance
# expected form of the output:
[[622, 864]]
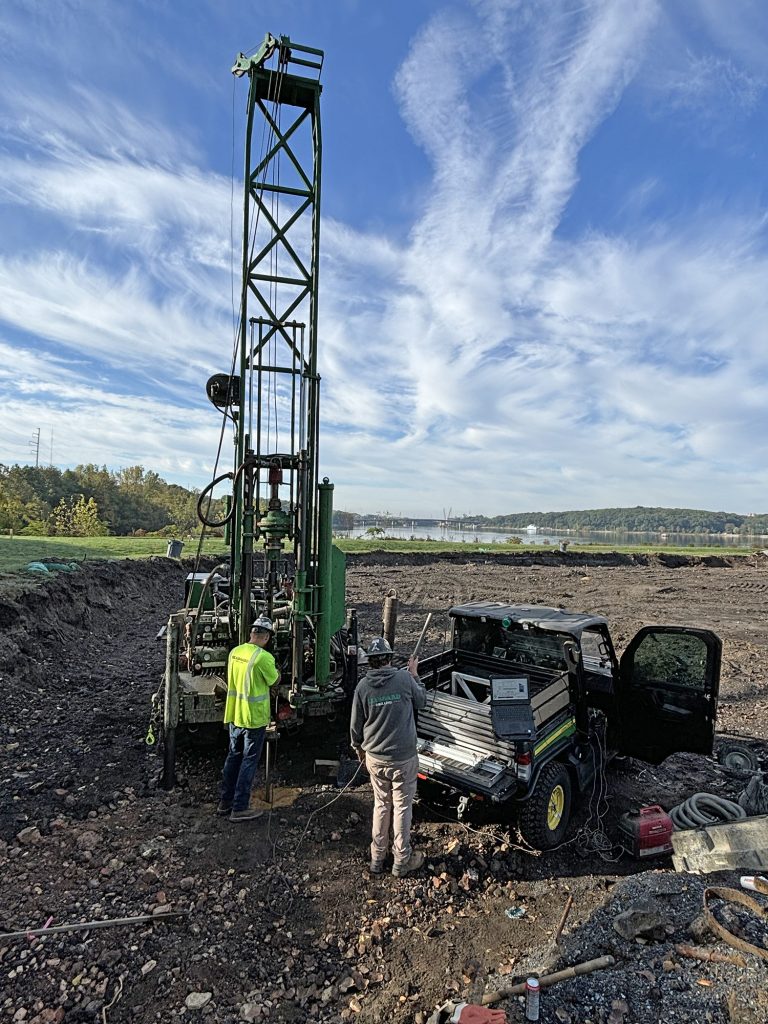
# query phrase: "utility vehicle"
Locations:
[[528, 702]]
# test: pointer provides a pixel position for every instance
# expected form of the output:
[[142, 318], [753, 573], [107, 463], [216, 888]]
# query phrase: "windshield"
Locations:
[[526, 647]]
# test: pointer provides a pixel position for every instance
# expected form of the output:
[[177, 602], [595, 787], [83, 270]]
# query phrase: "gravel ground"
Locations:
[[282, 920]]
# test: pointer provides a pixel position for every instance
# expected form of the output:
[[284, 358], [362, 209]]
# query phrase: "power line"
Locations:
[[7, 432], [13, 446], [35, 443]]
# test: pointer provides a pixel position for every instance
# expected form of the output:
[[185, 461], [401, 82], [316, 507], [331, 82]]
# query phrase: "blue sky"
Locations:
[[544, 244]]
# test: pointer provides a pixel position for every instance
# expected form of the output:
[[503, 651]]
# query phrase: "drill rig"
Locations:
[[277, 519]]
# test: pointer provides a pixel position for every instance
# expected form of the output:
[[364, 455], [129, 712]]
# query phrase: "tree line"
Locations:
[[639, 519], [91, 501]]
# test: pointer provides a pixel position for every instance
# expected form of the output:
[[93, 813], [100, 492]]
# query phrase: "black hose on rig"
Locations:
[[212, 523], [234, 477]]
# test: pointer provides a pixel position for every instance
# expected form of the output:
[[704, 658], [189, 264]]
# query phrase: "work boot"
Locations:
[[376, 867], [247, 815], [414, 862], [224, 808]]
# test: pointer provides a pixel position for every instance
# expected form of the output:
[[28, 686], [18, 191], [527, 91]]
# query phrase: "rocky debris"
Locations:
[[197, 1000], [286, 935], [251, 1012], [28, 836], [88, 840], [747, 1007], [643, 919], [649, 982]]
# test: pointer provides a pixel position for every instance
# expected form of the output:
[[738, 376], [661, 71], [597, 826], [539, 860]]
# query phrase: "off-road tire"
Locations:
[[553, 793], [737, 756]]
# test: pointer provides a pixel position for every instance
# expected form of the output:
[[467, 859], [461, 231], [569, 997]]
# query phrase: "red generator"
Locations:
[[647, 832]]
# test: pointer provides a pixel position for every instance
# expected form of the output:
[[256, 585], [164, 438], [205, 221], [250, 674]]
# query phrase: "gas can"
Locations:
[[647, 832], [532, 994]]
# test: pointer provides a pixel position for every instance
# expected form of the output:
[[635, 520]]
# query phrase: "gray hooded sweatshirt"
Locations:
[[383, 713]]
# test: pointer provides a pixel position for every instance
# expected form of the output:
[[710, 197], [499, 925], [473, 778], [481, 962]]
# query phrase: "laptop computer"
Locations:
[[511, 711]]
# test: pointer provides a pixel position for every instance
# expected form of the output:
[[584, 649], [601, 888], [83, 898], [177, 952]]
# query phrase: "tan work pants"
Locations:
[[394, 787]]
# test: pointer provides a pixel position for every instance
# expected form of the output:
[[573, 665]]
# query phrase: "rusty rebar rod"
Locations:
[[119, 922], [563, 918]]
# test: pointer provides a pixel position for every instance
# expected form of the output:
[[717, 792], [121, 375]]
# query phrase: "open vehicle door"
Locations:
[[666, 700]]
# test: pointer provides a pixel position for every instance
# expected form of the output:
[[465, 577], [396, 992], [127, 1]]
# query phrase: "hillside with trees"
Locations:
[[92, 501], [639, 519]]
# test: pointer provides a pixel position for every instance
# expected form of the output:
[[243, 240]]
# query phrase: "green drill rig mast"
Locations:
[[275, 275], [282, 560]]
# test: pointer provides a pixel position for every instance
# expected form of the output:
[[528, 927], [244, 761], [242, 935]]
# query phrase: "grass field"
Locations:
[[17, 552]]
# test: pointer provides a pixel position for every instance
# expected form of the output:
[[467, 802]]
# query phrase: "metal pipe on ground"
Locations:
[[551, 979]]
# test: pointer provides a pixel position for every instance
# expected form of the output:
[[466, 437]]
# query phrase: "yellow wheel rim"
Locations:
[[555, 808]]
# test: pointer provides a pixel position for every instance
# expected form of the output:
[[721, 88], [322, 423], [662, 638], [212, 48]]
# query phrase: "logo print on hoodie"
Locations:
[[384, 698]]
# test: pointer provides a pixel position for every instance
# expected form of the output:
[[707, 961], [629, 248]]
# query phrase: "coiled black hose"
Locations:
[[705, 809]]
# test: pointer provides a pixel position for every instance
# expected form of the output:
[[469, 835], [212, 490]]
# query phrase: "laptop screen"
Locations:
[[510, 689]]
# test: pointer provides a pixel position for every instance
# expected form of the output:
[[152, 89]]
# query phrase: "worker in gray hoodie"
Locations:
[[383, 733]]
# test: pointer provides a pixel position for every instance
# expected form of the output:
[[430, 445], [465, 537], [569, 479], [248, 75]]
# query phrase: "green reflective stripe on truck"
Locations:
[[565, 729]]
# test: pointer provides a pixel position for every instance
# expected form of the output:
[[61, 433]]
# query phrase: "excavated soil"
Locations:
[[281, 919]]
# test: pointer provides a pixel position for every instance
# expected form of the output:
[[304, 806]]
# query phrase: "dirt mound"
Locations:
[[78, 662], [69, 607], [553, 558]]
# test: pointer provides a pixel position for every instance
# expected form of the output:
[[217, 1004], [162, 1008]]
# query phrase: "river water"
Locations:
[[614, 538]]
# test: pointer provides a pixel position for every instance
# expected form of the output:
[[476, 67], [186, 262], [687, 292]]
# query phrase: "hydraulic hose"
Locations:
[[234, 477], [705, 809], [212, 523]]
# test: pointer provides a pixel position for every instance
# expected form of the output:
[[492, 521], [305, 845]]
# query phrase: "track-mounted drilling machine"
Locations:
[[277, 519]]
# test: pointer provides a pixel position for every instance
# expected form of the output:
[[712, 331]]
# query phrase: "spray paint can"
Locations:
[[748, 882], [532, 994]]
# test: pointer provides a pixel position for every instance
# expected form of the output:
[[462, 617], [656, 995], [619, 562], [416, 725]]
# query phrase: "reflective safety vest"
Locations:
[[250, 672]]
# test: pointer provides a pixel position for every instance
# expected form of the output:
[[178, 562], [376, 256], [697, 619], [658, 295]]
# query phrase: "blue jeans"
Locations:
[[240, 766]]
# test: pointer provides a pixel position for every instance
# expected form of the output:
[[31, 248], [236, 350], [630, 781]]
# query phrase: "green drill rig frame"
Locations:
[[278, 522]]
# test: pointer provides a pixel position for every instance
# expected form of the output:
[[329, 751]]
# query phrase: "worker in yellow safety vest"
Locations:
[[251, 671]]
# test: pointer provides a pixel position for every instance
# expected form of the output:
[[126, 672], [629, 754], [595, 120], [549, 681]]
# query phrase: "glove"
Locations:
[[468, 1013]]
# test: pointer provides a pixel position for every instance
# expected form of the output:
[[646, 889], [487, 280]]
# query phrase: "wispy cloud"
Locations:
[[740, 30], [114, 319], [711, 90], [486, 361], [91, 420], [516, 359]]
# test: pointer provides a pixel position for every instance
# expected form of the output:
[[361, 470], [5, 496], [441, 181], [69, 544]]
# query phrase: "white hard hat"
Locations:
[[262, 625]]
